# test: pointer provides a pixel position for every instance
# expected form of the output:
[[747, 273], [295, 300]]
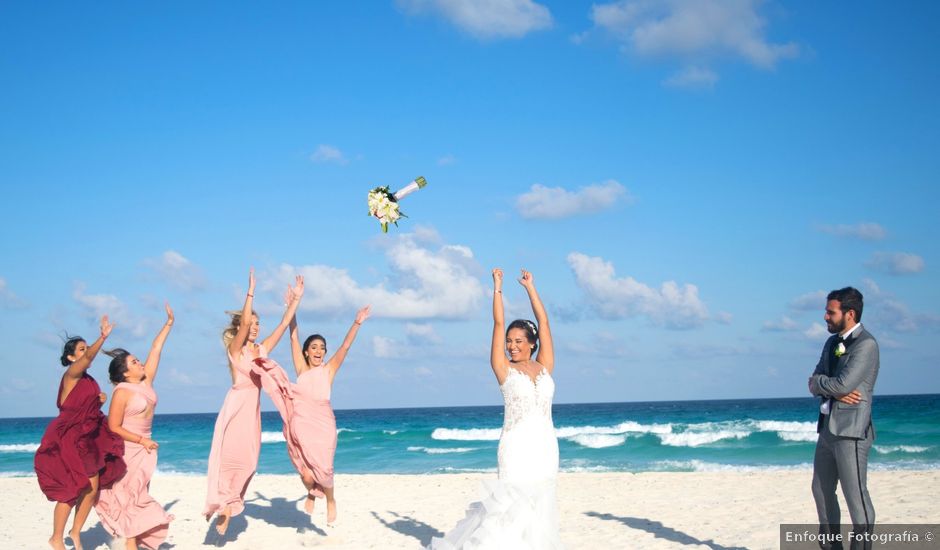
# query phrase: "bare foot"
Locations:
[[308, 504], [330, 512], [58, 544], [76, 540], [221, 524]]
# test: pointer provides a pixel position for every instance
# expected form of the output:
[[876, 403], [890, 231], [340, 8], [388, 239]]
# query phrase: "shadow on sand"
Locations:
[[660, 531], [410, 526]]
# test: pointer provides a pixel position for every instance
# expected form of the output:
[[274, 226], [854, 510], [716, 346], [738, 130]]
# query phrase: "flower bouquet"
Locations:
[[383, 204]]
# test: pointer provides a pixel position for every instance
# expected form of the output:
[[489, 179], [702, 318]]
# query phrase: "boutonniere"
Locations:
[[840, 350]]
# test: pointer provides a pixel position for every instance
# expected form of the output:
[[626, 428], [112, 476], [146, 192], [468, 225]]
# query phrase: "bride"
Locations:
[[518, 510]]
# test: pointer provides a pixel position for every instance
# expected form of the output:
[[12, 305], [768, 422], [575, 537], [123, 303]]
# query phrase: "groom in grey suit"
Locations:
[[844, 381]]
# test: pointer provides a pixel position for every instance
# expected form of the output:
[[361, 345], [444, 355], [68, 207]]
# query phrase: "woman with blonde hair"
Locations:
[[236, 441]]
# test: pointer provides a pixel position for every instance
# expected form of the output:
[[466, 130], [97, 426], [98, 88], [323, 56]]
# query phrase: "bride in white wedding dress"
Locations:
[[518, 510]]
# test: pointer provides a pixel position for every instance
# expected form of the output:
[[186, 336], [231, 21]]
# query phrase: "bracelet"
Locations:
[[357, 323], [250, 295], [500, 291], [139, 439]]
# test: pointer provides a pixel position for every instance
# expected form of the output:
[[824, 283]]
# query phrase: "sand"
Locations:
[[598, 510]]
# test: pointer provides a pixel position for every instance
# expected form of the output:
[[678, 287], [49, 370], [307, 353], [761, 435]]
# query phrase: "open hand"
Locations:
[[169, 314], [106, 326], [363, 314], [298, 289], [251, 281]]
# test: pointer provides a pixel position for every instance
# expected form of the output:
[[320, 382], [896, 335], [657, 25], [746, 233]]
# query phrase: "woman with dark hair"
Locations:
[[236, 441], [78, 453], [519, 509], [126, 509], [313, 424]]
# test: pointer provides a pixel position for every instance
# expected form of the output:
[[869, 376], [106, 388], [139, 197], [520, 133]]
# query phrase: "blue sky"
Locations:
[[684, 179]]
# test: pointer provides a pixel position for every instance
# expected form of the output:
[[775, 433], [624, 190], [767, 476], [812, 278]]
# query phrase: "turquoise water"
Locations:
[[660, 436]]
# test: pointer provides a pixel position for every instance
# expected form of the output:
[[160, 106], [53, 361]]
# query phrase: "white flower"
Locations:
[[840, 350]]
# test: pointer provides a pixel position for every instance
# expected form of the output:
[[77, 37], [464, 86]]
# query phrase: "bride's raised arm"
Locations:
[[497, 352], [546, 352]]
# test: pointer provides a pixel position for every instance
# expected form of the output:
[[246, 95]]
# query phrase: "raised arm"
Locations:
[[244, 324], [153, 358], [497, 350], [546, 353], [116, 419], [297, 354], [295, 292], [336, 361], [78, 368]]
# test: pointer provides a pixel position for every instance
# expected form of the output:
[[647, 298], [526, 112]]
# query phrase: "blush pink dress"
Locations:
[[236, 442], [126, 509], [313, 427]]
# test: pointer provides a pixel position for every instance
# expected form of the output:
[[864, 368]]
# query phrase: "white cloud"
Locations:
[[811, 301], [614, 298], [692, 31], [446, 160], [176, 270], [94, 306], [419, 333], [8, 298], [386, 348], [864, 231], [816, 331], [487, 19], [885, 310], [896, 263], [785, 324], [424, 284], [690, 350], [693, 77], [556, 202], [328, 153]]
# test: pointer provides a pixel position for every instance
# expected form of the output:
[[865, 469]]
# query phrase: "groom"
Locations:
[[844, 380]]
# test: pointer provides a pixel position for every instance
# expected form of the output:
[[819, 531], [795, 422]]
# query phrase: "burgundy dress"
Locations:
[[77, 445]]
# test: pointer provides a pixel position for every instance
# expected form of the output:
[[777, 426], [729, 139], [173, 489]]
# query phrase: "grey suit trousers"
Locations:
[[845, 460]]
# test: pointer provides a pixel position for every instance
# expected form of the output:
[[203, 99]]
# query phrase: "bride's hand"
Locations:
[[498, 278], [526, 279]]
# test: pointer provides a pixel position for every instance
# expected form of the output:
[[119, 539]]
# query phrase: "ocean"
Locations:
[[738, 435]]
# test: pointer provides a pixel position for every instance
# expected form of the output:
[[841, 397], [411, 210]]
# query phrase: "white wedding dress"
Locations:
[[518, 510]]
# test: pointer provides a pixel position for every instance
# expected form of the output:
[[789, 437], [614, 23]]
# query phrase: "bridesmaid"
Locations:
[[126, 509], [78, 453], [314, 425], [236, 442]]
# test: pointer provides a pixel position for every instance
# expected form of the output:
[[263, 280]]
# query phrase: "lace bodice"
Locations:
[[525, 400]]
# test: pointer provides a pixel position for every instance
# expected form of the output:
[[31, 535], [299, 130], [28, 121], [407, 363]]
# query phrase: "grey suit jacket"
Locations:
[[857, 369]]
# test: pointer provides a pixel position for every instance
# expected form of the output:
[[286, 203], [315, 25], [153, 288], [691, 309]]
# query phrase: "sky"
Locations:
[[685, 179]]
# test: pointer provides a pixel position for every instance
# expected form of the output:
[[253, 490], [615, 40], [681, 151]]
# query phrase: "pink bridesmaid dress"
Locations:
[[236, 442], [126, 509], [314, 427]]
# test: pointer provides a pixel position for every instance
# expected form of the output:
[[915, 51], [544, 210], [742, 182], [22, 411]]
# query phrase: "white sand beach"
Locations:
[[598, 510]]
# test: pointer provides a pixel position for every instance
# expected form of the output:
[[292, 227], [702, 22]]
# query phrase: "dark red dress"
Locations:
[[77, 445]]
